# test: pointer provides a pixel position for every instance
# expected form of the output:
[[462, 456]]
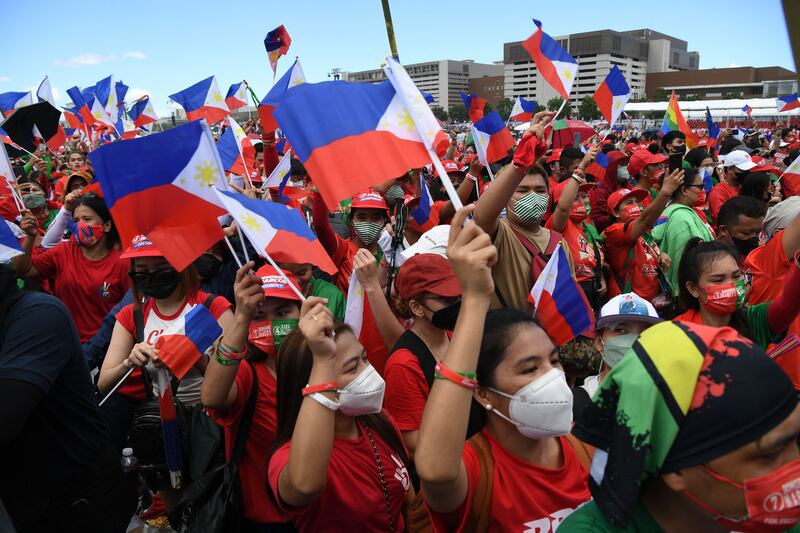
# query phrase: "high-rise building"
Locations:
[[635, 52], [443, 79]]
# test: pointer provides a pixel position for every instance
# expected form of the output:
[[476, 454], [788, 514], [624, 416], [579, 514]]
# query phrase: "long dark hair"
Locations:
[[697, 256], [756, 185], [293, 370], [98, 205], [189, 284]]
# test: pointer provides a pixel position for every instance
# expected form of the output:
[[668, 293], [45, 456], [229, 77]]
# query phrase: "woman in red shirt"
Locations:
[[86, 272], [535, 476], [339, 463]]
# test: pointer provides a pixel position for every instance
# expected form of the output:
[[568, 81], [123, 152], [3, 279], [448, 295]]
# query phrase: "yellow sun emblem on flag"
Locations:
[[567, 74], [206, 174], [618, 105], [282, 173], [298, 81], [404, 119], [217, 97], [98, 115], [251, 222]]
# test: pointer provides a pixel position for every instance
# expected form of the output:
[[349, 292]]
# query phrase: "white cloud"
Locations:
[[734, 65], [134, 55], [83, 60], [4, 79]]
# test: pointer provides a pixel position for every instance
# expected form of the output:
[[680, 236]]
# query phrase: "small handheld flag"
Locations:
[[236, 151], [492, 138], [236, 96], [44, 93], [280, 174], [787, 102], [554, 63], [747, 110], [523, 110], [202, 100], [9, 245], [292, 78], [277, 44], [612, 95], [673, 120], [142, 112], [474, 105], [423, 211], [711, 126], [181, 346]]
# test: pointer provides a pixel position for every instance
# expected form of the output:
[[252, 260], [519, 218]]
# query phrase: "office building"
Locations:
[[725, 83]]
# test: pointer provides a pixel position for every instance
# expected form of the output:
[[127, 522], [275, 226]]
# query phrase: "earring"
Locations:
[[488, 406]]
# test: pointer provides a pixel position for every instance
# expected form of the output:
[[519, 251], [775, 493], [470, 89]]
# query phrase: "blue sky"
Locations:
[[160, 47]]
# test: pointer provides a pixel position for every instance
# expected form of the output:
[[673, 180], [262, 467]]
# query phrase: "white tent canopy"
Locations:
[[762, 107]]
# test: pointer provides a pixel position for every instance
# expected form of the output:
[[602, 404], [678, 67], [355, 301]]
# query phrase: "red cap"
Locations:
[[555, 155], [560, 188], [620, 194], [450, 167], [467, 162], [275, 285], [426, 273], [369, 200], [141, 246], [632, 147], [705, 141], [763, 166], [642, 158]]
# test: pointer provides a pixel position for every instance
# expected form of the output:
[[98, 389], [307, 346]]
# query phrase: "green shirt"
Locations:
[[682, 223], [336, 300], [758, 324]]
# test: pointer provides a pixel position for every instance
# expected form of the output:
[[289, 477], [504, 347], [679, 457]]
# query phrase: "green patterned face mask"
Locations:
[[368, 231], [394, 192], [531, 207]]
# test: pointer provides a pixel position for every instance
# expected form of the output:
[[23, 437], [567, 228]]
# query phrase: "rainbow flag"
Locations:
[[673, 120]]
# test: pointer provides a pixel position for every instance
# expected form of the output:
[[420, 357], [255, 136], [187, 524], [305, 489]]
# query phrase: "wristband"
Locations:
[[324, 401], [465, 380], [330, 386], [579, 179], [228, 352], [225, 362], [473, 178]]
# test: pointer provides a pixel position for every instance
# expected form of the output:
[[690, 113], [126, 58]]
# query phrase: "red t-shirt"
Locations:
[[343, 258], [154, 325], [790, 185], [582, 251], [525, 497], [644, 265], [89, 289], [352, 499], [258, 504], [720, 194], [406, 389]]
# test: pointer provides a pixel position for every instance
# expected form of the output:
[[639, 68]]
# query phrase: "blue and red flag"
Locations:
[[423, 211], [236, 96], [612, 95], [560, 304], [141, 112], [281, 144], [7, 140], [170, 430], [787, 102], [11, 101], [202, 100], [277, 230], [474, 105], [9, 244], [236, 151], [523, 110], [747, 110], [599, 166], [553, 62], [292, 78], [492, 138], [277, 44], [712, 127], [351, 136], [162, 186], [188, 336], [80, 106]]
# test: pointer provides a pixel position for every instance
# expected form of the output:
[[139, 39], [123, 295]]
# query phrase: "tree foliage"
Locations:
[[439, 113], [587, 109], [554, 103], [504, 107]]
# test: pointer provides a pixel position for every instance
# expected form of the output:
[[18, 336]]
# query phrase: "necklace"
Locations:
[[383, 480]]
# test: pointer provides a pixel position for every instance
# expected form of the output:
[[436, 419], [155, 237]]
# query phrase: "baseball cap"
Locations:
[[433, 241], [555, 156], [632, 147], [275, 285], [627, 306], [763, 166], [427, 273], [560, 188], [620, 194], [141, 246], [368, 200], [450, 167], [739, 159], [642, 158]]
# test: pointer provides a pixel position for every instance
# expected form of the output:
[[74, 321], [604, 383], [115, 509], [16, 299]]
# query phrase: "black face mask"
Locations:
[[739, 177], [157, 285], [679, 149], [445, 318], [207, 266], [745, 246]]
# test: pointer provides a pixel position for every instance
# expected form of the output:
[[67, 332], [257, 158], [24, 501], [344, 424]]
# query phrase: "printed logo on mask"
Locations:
[[789, 498]]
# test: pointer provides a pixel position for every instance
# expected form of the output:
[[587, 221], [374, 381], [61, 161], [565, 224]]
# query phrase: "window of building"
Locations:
[[616, 43]]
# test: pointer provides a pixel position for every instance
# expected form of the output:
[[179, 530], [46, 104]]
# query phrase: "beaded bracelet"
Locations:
[[228, 352], [465, 380], [225, 362], [330, 386]]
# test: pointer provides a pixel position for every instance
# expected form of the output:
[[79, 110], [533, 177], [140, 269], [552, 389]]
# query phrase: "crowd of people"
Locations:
[[450, 407]]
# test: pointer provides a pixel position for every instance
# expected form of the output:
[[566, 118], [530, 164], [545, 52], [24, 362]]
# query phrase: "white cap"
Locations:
[[127, 452], [627, 306], [433, 241], [740, 159]]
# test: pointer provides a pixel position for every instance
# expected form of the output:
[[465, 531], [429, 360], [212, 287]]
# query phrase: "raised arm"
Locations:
[[786, 306], [570, 192], [650, 215], [464, 190], [367, 272], [444, 422], [322, 226]]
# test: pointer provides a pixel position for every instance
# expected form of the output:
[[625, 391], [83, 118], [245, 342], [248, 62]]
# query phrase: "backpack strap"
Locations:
[[411, 342], [246, 421], [480, 512], [555, 238], [583, 451]]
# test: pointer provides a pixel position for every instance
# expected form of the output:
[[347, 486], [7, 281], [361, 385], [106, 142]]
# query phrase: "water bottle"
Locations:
[[129, 462]]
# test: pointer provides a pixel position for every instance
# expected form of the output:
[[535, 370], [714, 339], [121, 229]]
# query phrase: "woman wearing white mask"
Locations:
[[339, 463], [519, 472]]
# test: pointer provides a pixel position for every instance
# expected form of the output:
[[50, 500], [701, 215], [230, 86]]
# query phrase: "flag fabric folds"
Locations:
[[162, 186], [36, 121], [673, 120], [292, 78], [202, 100], [553, 62], [560, 304], [492, 138], [612, 95], [187, 338], [11, 101], [236, 150], [353, 135], [9, 245], [423, 211], [747, 110], [280, 174], [44, 93], [599, 166], [523, 110], [236, 96], [711, 126], [141, 112], [277, 230], [474, 105], [787, 102], [80, 105], [277, 44]]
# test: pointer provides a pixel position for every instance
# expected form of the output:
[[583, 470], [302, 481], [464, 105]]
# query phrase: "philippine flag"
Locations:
[[105, 96], [11, 101], [162, 186], [280, 174], [790, 179], [277, 44], [554, 63], [747, 110], [353, 135], [492, 138], [44, 93], [202, 100], [277, 230], [236, 151], [237, 96], [423, 211], [599, 166], [523, 110], [142, 112], [186, 339], [126, 128], [9, 244], [80, 105], [560, 304], [474, 105], [7, 140], [787, 103], [292, 78], [612, 95]]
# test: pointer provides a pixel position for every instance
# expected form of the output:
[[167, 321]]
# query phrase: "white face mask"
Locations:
[[363, 395], [542, 408]]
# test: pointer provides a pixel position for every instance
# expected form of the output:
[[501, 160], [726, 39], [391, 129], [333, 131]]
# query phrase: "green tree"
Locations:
[[554, 103], [661, 95], [439, 113], [458, 113], [504, 107], [487, 108], [731, 95], [588, 109]]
